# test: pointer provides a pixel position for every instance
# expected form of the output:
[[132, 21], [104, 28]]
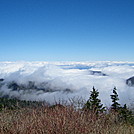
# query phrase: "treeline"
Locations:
[[14, 103], [92, 105], [123, 113]]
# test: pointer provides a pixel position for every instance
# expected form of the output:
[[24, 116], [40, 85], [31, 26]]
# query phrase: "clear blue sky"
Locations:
[[66, 30]]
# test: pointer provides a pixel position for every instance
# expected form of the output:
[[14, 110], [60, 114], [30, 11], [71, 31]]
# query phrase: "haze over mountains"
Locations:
[[54, 81]]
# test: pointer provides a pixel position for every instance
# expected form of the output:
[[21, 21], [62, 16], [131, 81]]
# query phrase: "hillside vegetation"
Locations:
[[26, 117]]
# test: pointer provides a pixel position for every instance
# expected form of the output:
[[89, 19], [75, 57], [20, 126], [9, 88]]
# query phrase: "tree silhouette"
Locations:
[[115, 106], [93, 103]]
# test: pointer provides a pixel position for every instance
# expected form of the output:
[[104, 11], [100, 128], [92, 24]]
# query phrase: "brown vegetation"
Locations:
[[60, 120]]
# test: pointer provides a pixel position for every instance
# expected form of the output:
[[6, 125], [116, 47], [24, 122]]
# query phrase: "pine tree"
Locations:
[[93, 103], [126, 115], [115, 106]]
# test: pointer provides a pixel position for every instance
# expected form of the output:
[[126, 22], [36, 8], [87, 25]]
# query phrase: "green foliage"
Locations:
[[115, 106], [93, 103], [123, 113], [12, 104], [126, 115], [7, 103]]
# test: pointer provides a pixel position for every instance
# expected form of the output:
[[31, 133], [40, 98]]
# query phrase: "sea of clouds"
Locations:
[[54, 81]]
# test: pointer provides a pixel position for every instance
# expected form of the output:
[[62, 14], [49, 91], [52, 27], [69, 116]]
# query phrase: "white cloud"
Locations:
[[61, 76]]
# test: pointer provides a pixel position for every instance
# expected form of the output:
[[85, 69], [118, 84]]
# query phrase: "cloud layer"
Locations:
[[54, 81]]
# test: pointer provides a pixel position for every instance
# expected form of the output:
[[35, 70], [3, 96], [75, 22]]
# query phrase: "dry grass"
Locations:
[[59, 120]]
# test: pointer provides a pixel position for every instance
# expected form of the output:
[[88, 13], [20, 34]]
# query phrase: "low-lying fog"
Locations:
[[54, 81]]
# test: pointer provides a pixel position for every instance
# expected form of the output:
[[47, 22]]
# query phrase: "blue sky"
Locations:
[[66, 30]]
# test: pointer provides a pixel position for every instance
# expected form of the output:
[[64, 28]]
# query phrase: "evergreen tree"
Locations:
[[115, 106], [126, 115], [93, 103]]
